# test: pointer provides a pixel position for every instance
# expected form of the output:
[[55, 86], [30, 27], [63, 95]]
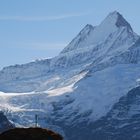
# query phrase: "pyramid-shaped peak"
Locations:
[[94, 35], [119, 20], [88, 26], [87, 29], [79, 39], [114, 13]]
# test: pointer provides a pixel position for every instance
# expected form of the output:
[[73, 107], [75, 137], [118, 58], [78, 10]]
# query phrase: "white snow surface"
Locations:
[[96, 91], [97, 68]]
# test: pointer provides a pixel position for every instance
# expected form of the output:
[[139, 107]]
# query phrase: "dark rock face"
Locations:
[[121, 123], [122, 22], [4, 123], [30, 134]]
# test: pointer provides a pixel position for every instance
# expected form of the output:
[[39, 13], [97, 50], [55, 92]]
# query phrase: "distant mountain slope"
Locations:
[[73, 90], [123, 121]]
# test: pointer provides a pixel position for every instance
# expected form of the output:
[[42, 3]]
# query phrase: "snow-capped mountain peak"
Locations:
[[80, 85], [79, 40], [86, 29], [120, 21], [91, 36], [93, 45]]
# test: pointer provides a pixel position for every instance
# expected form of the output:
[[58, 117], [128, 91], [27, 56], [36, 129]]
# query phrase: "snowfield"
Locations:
[[84, 90]]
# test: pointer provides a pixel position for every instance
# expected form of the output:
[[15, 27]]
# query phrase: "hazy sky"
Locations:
[[34, 29]]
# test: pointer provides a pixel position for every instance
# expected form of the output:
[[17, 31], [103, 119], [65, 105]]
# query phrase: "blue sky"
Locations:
[[35, 29]]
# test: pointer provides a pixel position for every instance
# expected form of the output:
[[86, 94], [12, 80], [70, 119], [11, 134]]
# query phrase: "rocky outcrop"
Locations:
[[4, 123], [30, 134]]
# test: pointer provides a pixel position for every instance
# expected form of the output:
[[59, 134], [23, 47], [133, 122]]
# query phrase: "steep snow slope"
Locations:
[[123, 121], [110, 39], [95, 35], [67, 106], [81, 84]]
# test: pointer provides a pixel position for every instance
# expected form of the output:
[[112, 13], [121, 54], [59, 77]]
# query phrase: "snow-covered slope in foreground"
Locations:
[[78, 86]]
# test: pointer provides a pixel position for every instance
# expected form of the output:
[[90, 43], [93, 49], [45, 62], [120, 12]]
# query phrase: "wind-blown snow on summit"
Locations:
[[81, 84]]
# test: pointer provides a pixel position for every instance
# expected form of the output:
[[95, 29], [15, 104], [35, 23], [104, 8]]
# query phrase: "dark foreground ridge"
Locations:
[[30, 134]]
